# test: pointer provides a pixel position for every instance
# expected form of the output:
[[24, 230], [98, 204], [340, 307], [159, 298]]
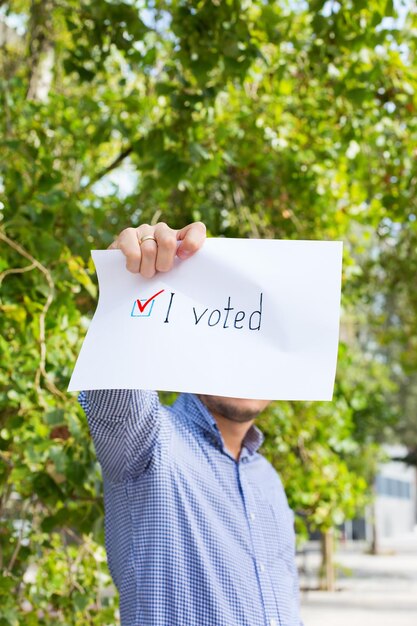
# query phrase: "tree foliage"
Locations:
[[270, 119]]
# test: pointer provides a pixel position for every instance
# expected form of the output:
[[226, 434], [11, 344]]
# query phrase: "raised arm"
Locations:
[[127, 425]]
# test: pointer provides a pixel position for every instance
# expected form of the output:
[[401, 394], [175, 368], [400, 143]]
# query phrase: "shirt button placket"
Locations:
[[258, 546]]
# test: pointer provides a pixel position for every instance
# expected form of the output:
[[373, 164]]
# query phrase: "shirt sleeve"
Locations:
[[290, 548], [125, 425], [296, 580]]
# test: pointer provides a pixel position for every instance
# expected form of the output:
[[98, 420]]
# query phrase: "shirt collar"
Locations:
[[253, 439], [197, 411]]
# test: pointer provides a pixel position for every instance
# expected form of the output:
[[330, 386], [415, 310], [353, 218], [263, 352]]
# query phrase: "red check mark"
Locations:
[[142, 307]]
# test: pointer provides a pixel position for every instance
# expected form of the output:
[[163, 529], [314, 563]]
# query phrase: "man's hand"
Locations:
[[151, 256]]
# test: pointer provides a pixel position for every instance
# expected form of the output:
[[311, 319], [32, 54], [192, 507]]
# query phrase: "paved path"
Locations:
[[372, 590]]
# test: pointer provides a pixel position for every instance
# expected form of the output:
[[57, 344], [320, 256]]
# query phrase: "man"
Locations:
[[198, 528]]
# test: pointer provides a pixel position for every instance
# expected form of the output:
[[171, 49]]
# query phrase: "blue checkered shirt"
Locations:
[[193, 537]]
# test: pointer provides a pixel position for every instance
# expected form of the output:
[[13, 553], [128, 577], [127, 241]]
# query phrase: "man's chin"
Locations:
[[235, 409]]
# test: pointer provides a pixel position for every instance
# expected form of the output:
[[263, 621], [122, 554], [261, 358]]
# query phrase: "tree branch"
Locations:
[[18, 545], [16, 270], [113, 165], [41, 371]]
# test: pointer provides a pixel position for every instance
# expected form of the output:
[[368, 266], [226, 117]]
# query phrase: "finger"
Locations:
[[128, 243], [166, 238], [192, 238], [148, 249]]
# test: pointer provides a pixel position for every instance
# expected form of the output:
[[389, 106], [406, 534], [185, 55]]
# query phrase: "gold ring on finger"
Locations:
[[146, 237]]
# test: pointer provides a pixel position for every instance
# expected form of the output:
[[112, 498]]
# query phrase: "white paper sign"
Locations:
[[242, 318]]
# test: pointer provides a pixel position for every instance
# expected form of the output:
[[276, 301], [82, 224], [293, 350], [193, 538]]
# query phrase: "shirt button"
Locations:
[[273, 622], [252, 516], [261, 567], [245, 459]]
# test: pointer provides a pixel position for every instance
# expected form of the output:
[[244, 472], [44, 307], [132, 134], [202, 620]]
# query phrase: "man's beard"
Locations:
[[228, 410]]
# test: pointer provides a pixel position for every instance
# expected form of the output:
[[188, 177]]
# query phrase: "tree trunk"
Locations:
[[374, 548], [328, 577], [41, 50]]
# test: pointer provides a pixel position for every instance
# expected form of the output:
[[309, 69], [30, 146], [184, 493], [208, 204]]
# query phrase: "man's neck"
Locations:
[[233, 433]]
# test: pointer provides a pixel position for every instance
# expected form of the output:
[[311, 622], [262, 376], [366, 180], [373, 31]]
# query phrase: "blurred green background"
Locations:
[[285, 119]]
